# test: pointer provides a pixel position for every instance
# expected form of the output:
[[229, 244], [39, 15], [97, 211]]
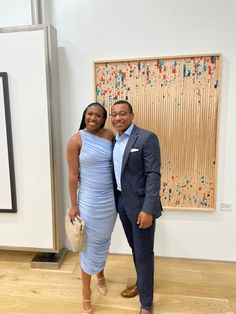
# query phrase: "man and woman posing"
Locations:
[[131, 159]]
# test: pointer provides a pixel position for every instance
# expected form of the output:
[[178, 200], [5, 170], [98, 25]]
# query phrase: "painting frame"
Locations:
[[143, 80], [9, 204]]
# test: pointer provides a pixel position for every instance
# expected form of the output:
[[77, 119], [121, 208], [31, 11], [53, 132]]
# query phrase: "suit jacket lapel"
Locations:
[[130, 144]]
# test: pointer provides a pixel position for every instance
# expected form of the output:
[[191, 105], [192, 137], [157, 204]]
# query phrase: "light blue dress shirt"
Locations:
[[118, 152]]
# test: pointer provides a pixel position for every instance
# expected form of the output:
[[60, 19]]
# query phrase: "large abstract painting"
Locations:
[[7, 176], [178, 99]]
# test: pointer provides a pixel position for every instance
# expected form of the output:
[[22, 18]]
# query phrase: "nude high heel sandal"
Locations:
[[102, 288], [86, 311]]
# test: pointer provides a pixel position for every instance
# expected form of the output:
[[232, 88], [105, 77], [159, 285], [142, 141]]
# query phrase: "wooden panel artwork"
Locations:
[[178, 99]]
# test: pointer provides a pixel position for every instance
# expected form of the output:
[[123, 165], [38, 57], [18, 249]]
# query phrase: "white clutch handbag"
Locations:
[[75, 231]]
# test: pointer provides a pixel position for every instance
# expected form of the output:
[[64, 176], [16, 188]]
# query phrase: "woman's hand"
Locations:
[[73, 211]]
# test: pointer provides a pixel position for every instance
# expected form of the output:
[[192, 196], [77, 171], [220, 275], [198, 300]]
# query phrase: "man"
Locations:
[[136, 158]]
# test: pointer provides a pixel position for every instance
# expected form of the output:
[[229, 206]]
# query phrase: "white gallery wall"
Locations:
[[91, 30]]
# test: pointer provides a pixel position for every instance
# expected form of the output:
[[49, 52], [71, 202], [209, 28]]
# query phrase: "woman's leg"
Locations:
[[101, 278], [102, 282], [86, 291]]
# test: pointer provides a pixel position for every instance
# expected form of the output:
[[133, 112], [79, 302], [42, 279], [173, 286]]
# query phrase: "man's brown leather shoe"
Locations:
[[142, 311], [130, 292]]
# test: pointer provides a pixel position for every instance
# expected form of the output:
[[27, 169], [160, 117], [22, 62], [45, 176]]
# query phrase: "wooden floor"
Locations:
[[181, 286]]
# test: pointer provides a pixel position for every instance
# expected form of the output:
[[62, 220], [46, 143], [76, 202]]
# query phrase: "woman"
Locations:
[[90, 173]]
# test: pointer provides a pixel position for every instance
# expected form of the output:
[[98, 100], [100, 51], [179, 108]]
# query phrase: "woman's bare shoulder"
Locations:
[[108, 134], [74, 141]]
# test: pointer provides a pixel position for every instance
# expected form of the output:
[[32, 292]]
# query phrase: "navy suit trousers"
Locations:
[[141, 242]]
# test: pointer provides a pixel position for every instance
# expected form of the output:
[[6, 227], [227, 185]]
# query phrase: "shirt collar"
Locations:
[[127, 132]]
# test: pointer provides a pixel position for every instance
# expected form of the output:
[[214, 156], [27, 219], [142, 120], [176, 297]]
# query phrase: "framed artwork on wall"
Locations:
[[7, 174], [178, 99]]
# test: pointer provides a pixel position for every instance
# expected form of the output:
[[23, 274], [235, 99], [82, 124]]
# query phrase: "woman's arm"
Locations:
[[73, 150]]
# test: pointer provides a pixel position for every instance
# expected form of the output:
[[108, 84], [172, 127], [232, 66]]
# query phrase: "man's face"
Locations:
[[121, 117]]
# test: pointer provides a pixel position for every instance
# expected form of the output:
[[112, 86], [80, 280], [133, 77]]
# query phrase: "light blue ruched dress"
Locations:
[[96, 200]]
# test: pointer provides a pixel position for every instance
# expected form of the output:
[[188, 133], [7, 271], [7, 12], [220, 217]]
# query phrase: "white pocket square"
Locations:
[[134, 150]]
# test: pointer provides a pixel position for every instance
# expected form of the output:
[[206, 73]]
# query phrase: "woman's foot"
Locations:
[[102, 287], [86, 307]]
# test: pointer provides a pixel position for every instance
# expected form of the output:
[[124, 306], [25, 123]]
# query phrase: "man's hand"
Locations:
[[144, 220]]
